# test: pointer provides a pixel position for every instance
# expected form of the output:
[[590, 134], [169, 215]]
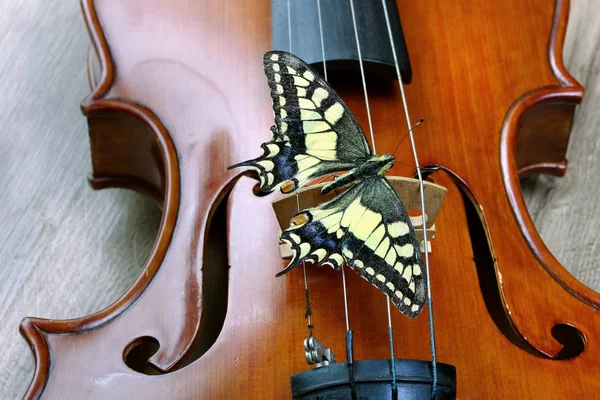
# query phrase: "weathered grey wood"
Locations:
[[67, 251], [565, 210]]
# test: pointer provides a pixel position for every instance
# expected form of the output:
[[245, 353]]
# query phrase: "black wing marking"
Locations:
[[314, 134], [368, 227]]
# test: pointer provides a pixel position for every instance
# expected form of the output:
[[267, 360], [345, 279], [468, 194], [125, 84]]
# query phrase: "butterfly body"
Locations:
[[366, 226], [376, 166]]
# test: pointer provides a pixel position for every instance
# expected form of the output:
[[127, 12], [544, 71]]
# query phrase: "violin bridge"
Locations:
[[317, 354]]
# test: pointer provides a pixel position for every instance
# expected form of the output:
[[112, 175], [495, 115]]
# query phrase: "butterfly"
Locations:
[[366, 226]]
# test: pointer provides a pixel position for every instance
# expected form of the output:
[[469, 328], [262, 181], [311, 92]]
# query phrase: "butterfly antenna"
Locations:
[[413, 166], [407, 133]]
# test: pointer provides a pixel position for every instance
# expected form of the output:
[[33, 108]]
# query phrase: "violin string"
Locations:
[[349, 335], [345, 298], [425, 242], [322, 41], [364, 83], [362, 74], [308, 314], [325, 75]]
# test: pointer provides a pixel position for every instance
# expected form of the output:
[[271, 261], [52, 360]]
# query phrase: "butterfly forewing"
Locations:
[[368, 227], [314, 133]]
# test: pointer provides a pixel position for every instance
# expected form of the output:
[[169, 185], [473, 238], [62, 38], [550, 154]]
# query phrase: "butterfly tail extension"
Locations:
[[275, 166], [292, 240]]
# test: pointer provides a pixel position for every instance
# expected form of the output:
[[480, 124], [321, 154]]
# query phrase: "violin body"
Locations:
[[179, 95]]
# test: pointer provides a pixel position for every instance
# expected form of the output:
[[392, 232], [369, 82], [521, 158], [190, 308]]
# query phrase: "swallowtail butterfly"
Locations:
[[366, 226]]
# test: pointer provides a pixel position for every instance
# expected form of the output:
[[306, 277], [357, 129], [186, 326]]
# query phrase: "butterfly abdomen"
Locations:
[[376, 166], [342, 181]]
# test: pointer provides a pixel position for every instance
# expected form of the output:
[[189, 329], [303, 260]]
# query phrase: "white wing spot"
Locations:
[[412, 286], [414, 308], [337, 258], [274, 57], [279, 89], [407, 273], [276, 67], [284, 127], [331, 219], [339, 233], [266, 164], [324, 141], [273, 149], [319, 95], [383, 248], [277, 78], [370, 271], [334, 113], [291, 70], [304, 249], [398, 294], [359, 264], [307, 115], [367, 224], [391, 257], [405, 251], [333, 228], [299, 81], [375, 238], [320, 253], [380, 278], [399, 267], [306, 163], [308, 104], [390, 286], [281, 101], [397, 229], [416, 270], [283, 113], [301, 92], [295, 237], [270, 179], [315, 126], [309, 75], [354, 210], [407, 301], [347, 253]]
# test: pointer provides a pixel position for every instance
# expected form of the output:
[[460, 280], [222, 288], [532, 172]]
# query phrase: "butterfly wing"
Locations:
[[368, 227], [314, 133]]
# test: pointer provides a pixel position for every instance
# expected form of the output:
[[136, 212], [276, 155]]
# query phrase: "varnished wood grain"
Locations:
[[60, 238]]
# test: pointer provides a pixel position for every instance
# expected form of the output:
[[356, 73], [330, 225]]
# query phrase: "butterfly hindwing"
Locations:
[[368, 227], [318, 235], [314, 134], [382, 246]]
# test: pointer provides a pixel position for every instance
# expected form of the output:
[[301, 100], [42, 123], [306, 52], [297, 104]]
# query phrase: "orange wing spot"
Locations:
[[288, 186], [299, 219]]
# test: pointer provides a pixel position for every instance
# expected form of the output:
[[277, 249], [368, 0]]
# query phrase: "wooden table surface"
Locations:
[[67, 251]]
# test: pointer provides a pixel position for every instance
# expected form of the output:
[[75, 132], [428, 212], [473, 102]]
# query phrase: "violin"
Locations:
[[178, 95]]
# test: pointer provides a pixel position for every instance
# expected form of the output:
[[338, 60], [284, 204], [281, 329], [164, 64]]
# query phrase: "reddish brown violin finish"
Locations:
[[181, 95]]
